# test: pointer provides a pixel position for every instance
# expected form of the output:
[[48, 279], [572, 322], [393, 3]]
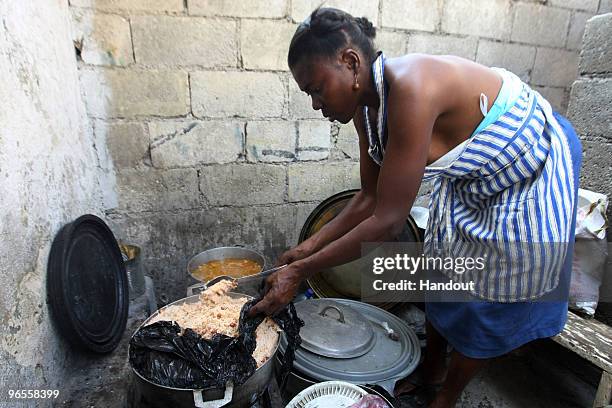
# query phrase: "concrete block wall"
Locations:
[[212, 141], [589, 106]]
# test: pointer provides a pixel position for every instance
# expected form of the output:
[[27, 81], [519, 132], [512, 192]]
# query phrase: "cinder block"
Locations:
[[577, 24], [358, 8], [513, 57], [317, 181], [127, 142], [265, 43], [237, 8], [605, 6], [243, 184], [596, 166], [132, 93], [421, 15], [150, 6], [393, 44], [103, 39], [596, 55], [483, 18], [300, 104], [271, 141], [157, 190], [313, 140], [273, 229], [558, 97], [348, 140], [443, 45], [243, 94], [191, 143], [589, 5], [589, 107], [314, 134], [540, 25], [178, 41], [554, 67]]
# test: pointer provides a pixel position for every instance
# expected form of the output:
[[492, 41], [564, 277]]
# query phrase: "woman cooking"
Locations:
[[505, 169]]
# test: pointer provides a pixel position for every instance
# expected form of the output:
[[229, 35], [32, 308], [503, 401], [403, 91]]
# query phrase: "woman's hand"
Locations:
[[281, 288], [296, 253]]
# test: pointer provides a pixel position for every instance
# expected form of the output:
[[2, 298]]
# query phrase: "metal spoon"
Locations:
[[260, 274]]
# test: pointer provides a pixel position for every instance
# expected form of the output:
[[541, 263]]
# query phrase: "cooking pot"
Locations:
[[146, 393], [367, 353], [344, 281], [218, 254]]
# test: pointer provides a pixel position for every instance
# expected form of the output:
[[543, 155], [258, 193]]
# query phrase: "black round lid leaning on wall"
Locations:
[[87, 287]]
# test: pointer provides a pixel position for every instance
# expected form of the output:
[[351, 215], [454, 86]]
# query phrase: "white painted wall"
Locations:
[[51, 171]]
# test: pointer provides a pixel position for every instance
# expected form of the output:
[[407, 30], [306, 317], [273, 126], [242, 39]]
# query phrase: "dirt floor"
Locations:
[[540, 375]]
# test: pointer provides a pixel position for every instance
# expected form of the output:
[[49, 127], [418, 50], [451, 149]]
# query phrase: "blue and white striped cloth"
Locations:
[[511, 188]]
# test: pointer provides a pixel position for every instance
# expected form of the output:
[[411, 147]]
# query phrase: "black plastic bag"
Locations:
[[162, 355]]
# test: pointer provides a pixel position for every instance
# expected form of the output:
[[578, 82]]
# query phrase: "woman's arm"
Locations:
[[359, 207], [411, 116]]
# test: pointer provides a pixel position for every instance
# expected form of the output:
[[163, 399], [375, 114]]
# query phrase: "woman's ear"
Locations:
[[351, 59]]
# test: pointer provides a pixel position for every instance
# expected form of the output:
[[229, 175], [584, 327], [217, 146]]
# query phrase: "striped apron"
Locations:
[[512, 188]]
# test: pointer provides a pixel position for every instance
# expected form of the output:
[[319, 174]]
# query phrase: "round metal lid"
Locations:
[[388, 361], [87, 286], [332, 329]]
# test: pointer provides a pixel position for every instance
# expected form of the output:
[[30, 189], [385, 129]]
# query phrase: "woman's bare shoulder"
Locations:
[[443, 79]]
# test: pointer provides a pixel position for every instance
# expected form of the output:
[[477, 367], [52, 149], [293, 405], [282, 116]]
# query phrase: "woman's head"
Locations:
[[330, 57]]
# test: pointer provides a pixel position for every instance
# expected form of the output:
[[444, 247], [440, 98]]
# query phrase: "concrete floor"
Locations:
[[541, 375]]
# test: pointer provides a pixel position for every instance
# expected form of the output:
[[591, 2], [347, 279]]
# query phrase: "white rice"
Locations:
[[216, 312]]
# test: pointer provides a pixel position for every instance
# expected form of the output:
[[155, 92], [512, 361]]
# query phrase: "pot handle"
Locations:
[[199, 402], [200, 286], [388, 384], [340, 314]]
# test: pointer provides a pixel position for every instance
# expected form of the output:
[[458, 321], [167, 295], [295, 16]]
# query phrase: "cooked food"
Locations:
[[217, 312], [233, 267]]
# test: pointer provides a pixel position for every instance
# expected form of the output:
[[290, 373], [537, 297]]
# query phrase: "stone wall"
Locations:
[[52, 170], [590, 106], [589, 111], [212, 141]]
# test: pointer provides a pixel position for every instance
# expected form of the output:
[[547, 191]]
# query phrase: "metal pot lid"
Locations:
[[332, 329], [87, 285], [387, 362]]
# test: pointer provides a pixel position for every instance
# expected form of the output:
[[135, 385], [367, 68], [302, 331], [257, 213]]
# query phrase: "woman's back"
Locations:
[[454, 86]]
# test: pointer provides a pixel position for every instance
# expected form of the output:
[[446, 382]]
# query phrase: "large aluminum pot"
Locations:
[[217, 254], [146, 393]]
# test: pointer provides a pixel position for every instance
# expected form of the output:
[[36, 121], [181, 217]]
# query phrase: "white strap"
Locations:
[[484, 104]]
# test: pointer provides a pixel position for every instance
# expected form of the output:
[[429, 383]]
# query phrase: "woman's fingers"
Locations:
[[269, 306]]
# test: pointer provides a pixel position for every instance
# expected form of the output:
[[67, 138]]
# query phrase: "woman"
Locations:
[[505, 169]]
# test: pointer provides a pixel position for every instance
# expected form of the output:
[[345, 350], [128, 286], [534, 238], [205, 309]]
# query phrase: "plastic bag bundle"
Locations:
[[590, 252], [162, 355]]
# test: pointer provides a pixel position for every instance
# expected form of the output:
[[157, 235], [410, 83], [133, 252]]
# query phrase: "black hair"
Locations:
[[329, 29]]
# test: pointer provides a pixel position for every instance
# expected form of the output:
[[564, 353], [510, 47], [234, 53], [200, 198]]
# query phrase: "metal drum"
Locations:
[[343, 281]]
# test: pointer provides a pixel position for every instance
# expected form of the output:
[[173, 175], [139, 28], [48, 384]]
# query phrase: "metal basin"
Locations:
[[217, 254], [146, 393]]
